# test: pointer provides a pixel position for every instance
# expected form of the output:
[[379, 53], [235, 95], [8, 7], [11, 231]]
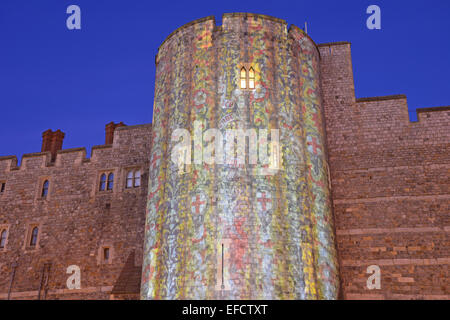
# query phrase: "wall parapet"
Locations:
[[65, 157]]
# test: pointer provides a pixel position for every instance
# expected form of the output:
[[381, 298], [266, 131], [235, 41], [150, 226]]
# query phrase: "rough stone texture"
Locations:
[[284, 249], [75, 220], [390, 186]]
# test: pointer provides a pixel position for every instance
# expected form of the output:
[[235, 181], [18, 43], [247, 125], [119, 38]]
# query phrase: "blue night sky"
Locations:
[[79, 80]]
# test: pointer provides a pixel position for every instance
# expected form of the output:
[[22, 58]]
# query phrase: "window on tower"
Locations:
[[251, 78], [243, 78], [247, 77]]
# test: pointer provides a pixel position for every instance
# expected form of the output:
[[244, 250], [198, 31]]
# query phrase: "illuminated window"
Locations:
[[243, 78], [45, 189], [34, 236], [251, 78], [247, 78], [3, 236]]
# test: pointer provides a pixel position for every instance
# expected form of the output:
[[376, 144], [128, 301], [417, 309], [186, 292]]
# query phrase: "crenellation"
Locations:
[[390, 187], [75, 219], [363, 185]]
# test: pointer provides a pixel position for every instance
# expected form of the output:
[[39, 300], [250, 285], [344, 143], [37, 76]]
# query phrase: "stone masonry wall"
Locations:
[[76, 220], [390, 187]]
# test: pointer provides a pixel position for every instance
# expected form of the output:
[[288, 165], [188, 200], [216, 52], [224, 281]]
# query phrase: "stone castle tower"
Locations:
[[230, 229], [299, 215]]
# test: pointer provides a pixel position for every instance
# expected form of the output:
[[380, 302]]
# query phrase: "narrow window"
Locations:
[[3, 239], [103, 182], [243, 78], [2, 187], [130, 179], [106, 254], [110, 181], [45, 189], [34, 236], [251, 79], [137, 178]]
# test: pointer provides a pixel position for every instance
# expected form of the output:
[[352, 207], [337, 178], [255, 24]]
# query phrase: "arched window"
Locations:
[[45, 188], [3, 238], [243, 78], [110, 181], [251, 78], [103, 182], [130, 178], [34, 236]]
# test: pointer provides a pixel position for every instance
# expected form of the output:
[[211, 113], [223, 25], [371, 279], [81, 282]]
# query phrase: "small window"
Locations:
[[103, 182], [3, 236], [110, 181], [243, 78], [251, 79], [133, 179], [105, 254], [130, 178], [137, 178], [45, 189], [34, 236], [2, 187]]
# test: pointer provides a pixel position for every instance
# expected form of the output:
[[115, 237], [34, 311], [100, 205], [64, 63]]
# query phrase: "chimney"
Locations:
[[109, 131], [52, 141]]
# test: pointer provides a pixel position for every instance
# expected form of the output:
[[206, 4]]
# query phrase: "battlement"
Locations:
[[123, 137], [397, 107], [233, 22]]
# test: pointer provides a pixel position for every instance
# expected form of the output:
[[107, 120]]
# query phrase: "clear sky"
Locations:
[[79, 80]]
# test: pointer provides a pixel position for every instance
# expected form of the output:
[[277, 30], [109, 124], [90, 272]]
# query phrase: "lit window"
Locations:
[[251, 79], [243, 78], [34, 236], [103, 182], [110, 181], [45, 189], [3, 236], [2, 187]]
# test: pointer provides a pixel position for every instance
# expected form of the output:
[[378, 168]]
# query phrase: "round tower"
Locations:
[[239, 201]]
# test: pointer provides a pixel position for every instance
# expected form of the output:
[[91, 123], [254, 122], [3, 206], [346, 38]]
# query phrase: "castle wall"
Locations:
[[75, 220], [390, 187], [385, 178], [282, 249]]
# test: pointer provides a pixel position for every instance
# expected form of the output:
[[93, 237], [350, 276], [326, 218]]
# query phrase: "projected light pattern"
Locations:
[[233, 231]]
